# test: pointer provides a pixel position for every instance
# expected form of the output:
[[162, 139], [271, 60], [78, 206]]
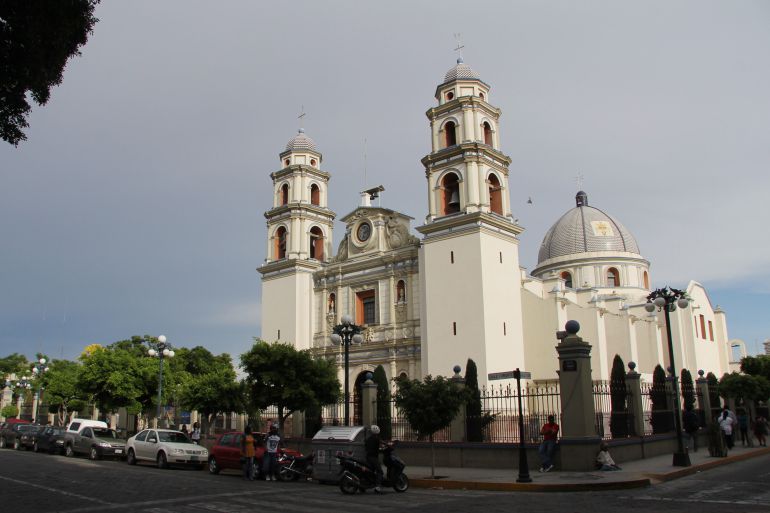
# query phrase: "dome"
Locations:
[[301, 142], [461, 71], [585, 229]]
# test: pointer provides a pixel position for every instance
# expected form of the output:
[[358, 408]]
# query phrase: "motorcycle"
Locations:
[[359, 476], [291, 468]]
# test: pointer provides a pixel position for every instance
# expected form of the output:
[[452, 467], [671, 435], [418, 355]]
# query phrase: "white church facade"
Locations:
[[456, 291]]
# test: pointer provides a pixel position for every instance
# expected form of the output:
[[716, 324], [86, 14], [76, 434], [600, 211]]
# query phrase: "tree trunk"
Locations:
[[432, 457]]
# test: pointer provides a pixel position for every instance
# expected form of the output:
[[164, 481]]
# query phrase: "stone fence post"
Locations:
[[704, 399], [579, 442], [635, 407], [457, 428], [369, 399]]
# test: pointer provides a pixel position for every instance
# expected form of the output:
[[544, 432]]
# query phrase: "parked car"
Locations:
[[76, 425], [225, 454], [26, 438], [10, 433], [97, 442], [165, 447], [49, 439]]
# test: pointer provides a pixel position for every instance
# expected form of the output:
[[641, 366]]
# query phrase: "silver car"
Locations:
[[165, 447]]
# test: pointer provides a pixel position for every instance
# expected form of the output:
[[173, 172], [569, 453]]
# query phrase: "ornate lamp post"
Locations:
[[668, 299], [38, 370], [24, 383], [162, 350], [347, 333]]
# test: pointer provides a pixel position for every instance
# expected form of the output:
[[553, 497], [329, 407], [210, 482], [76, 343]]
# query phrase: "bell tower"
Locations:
[[469, 261], [299, 241]]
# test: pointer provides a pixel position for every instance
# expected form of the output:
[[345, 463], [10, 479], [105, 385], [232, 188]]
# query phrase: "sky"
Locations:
[[137, 204]]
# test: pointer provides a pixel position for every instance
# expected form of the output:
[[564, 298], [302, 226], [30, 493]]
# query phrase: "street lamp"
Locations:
[[38, 370], [668, 299], [162, 350], [346, 333], [24, 383]]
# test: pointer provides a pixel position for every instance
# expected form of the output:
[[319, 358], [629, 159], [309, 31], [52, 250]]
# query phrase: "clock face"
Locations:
[[364, 231]]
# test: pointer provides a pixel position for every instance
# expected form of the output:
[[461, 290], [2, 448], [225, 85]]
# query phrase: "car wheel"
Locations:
[[35, 447], [161, 460], [93, 453], [131, 457], [69, 451], [402, 483], [213, 467]]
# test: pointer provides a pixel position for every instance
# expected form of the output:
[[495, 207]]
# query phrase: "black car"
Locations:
[[49, 439], [11, 436], [26, 437]]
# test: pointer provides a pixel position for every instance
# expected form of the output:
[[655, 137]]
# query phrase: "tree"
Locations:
[[756, 365], [383, 402], [473, 414], [429, 405], [713, 384], [688, 390], [37, 38], [619, 425], [212, 388], [661, 418], [9, 411], [743, 387], [62, 393], [13, 364], [279, 375]]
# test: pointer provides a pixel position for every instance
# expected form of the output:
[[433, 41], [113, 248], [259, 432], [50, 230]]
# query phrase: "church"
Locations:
[[429, 302]]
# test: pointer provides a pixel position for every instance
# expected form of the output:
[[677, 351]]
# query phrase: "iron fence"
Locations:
[[611, 407], [498, 421]]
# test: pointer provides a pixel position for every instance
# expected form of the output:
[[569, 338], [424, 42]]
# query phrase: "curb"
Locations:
[[676, 474], [529, 487]]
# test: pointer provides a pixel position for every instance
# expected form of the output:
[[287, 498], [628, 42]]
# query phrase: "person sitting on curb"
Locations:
[[550, 431], [603, 460]]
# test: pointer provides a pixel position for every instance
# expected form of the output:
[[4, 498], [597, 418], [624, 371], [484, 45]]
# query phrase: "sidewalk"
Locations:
[[635, 474]]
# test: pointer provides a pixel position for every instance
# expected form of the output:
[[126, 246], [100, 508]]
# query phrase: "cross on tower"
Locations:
[[579, 181], [301, 116], [459, 47]]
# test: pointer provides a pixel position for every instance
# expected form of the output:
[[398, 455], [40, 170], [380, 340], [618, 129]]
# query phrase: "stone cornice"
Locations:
[[279, 268], [469, 151], [301, 169], [456, 224], [298, 209]]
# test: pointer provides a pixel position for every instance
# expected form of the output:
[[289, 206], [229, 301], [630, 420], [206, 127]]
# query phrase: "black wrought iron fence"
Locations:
[[611, 405]]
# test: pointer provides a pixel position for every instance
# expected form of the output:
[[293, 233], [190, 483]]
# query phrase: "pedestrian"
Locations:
[[727, 424], [195, 436], [743, 426], [271, 454], [603, 460], [549, 431], [373, 444], [248, 451], [691, 426], [184, 430], [760, 430]]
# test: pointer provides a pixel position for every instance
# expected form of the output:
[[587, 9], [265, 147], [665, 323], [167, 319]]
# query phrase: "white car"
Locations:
[[165, 447]]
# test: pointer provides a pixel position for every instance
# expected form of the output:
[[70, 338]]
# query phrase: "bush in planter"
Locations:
[[662, 420], [618, 397]]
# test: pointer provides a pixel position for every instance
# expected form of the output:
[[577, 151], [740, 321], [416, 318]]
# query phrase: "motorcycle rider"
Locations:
[[373, 444]]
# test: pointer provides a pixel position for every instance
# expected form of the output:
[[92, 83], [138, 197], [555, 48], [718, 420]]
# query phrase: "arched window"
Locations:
[[401, 292], [481, 95], [279, 241], [487, 133], [316, 243], [450, 134], [495, 195], [567, 277], [450, 198], [646, 278], [285, 194], [613, 277], [287, 162], [313, 162], [315, 194], [332, 306], [450, 95]]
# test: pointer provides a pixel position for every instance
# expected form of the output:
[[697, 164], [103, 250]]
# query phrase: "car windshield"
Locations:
[[105, 433], [27, 427], [176, 437]]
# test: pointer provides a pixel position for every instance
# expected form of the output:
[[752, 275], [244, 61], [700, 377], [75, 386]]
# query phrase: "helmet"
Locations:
[[375, 429]]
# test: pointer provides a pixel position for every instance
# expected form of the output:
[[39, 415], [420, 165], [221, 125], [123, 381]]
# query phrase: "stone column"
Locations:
[[6, 399], [579, 441], [704, 399], [457, 427], [635, 407], [20, 404], [369, 399]]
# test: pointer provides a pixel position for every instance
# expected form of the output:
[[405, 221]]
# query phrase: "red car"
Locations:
[[226, 453]]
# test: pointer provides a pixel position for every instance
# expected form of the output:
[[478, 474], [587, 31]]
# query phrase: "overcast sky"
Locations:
[[136, 206]]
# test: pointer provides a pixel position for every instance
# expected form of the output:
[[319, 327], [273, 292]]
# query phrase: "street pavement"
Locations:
[[43, 483]]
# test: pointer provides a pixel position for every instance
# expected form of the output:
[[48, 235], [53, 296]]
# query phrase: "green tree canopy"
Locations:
[[429, 405], [9, 411], [291, 380], [13, 364], [744, 387], [756, 365], [37, 38], [61, 389]]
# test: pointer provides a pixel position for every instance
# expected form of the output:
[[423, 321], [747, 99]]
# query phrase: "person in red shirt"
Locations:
[[550, 431]]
